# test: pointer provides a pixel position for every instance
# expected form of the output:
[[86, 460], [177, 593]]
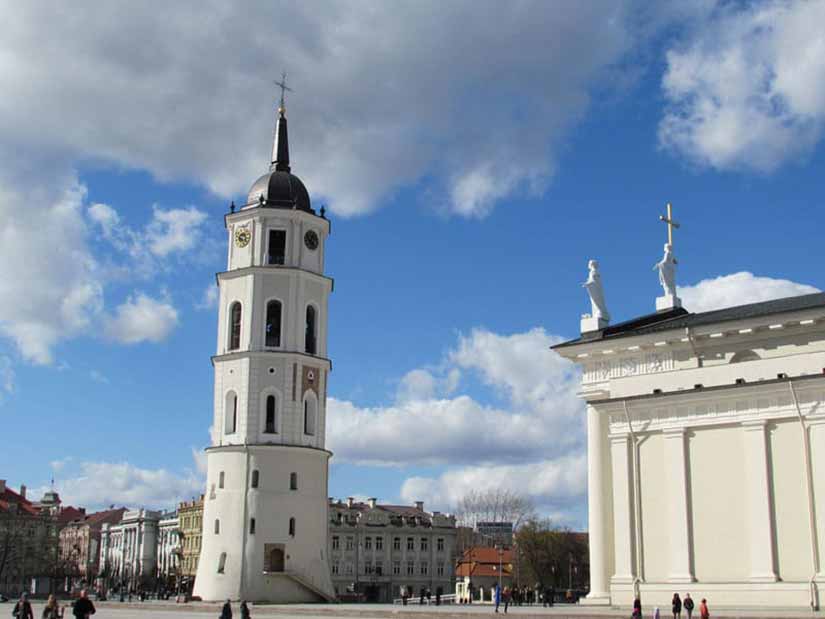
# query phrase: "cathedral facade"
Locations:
[[266, 510], [706, 455]]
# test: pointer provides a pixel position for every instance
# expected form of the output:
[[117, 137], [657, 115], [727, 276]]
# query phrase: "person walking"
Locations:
[[676, 606], [52, 609], [245, 610], [704, 613], [23, 609], [226, 611], [83, 607], [637, 609], [688, 604], [507, 595], [656, 613], [497, 596]]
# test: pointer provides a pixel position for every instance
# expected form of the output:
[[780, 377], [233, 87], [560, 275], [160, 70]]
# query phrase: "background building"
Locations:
[[479, 570], [79, 547], [129, 551], [168, 552], [190, 519], [29, 542], [378, 549]]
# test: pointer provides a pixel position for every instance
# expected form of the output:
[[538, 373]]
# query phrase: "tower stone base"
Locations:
[[284, 558]]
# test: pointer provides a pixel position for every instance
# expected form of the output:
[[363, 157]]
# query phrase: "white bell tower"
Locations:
[[265, 510]]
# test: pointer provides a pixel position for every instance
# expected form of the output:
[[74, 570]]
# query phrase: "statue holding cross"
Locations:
[[667, 267]]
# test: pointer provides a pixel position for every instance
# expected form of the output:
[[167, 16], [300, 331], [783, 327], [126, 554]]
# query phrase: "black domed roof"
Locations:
[[280, 189]]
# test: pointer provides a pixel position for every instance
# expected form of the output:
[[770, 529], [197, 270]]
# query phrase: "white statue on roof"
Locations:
[[598, 318], [667, 271], [594, 289]]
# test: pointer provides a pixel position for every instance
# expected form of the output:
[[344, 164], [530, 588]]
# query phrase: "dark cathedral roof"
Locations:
[[679, 318], [279, 188]]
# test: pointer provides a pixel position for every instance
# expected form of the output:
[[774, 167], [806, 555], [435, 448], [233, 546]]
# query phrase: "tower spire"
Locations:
[[280, 146]]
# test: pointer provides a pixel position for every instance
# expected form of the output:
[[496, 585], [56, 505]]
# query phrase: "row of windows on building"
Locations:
[[253, 525], [191, 522], [271, 414], [349, 541], [255, 480], [273, 327], [378, 568]]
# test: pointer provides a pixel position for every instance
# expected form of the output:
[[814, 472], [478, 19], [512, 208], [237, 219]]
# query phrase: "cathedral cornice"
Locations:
[[261, 354], [240, 447], [270, 269]]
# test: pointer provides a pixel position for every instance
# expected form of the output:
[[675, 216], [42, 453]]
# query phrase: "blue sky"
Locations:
[[468, 182]]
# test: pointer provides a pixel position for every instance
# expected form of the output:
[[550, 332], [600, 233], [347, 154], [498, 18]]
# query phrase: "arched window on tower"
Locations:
[[311, 331], [271, 426], [273, 324], [230, 413], [235, 326], [292, 527], [309, 415]]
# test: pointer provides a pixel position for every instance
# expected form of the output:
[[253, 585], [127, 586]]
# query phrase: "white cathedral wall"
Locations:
[[654, 496], [817, 439], [793, 554], [718, 499]]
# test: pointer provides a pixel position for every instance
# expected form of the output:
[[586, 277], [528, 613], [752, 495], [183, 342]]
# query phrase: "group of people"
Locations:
[[677, 605], [226, 611], [523, 595], [82, 608]]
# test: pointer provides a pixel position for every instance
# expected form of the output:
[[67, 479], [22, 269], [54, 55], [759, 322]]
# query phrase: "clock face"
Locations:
[[311, 240], [242, 237]]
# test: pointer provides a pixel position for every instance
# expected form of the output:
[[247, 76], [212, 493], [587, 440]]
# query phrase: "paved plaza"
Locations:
[[164, 610]]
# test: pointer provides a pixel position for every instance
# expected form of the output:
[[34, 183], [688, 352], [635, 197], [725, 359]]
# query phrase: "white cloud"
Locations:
[[373, 110], [98, 377], [738, 289], [554, 485], [424, 427], [747, 90], [141, 318], [533, 442], [97, 485], [199, 457], [50, 289], [6, 376], [175, 230], [210, 298]]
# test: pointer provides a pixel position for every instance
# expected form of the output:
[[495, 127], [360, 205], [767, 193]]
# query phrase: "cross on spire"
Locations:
[[671, 223], [284, 88]]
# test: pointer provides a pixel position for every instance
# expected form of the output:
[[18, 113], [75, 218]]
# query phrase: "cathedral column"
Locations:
[[598, 497], [620, 447], [758, 498], [678, 513]]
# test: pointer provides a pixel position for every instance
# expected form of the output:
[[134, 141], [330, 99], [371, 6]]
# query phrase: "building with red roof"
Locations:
[[480, 569]]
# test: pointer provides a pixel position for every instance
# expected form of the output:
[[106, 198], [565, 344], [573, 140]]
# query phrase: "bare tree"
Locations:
[[493, 505]]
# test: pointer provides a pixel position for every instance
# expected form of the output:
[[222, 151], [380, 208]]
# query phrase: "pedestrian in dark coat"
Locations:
[[226, 611], [52, 609], [677, 606], [23, 609], [83, 607], [245, 610], [688, 604], [637, 609]]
